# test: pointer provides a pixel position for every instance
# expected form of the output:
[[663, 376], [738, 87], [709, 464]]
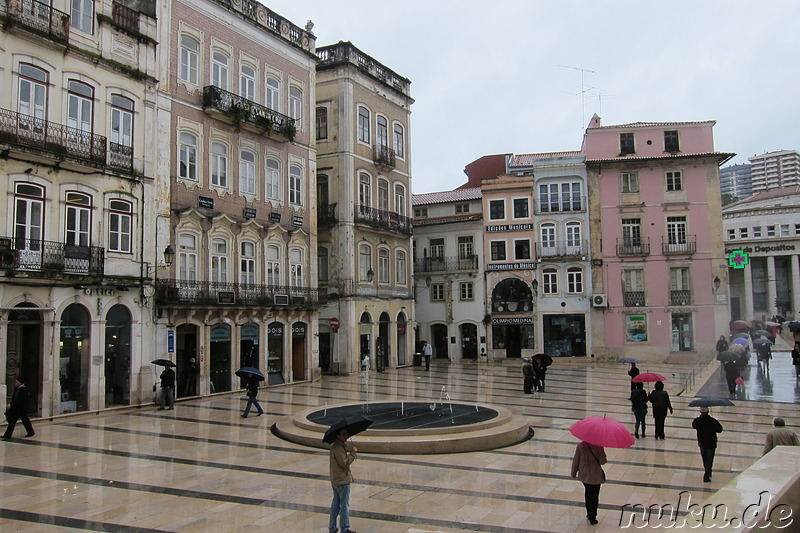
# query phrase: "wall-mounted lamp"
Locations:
[[428, 281], [536, 287], [370, 275], [717, 283], [169, 255]]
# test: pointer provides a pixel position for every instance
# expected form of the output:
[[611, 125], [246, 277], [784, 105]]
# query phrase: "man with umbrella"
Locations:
[[540, 363], [707, 428], [253, 378], [167, 384], [340, 460]]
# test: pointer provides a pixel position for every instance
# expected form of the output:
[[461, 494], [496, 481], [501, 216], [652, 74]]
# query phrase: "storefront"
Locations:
[[564, 335]]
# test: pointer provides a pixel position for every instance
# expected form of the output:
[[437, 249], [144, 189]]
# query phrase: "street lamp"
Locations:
[[169, 255], [717, 283]]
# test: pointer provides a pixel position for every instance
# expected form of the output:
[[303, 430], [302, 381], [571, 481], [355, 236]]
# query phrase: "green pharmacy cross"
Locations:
[[738, 259]]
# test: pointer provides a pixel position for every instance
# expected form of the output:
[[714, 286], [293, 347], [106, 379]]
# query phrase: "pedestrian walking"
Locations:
[[340, 460], [427, 351], [639, 407], [633, 372], [167, 389], [707, 428], [527, 374], [539, 373], [722, 344], [659, 399], [252, 393], [587, 468], [780, 435], [190, 373], [764, 354], [796, 359], [731, 370], [18, 410]]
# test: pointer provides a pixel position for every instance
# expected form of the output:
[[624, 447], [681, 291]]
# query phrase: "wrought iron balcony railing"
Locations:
[[52, 258], [685, 245], [61, 141], [680, 297], [171, 292], [562, 250], [120, 156], [383, 156], [633, 247], [445, 264], [633, 298], [39, 18], [243, 112], [381, 219], [568, 203], [126, 18], [326, 214]]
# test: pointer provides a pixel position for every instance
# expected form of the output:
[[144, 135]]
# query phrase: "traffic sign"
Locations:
[[335, 323]]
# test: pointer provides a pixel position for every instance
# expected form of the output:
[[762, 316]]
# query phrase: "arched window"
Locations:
[[550, 281], [272, 184], [219, 164], [382, 132], [383, 195], [247, 81], [220, 70], [33, 83], [273, 265], [273, 93], [296, 267], [296, 105], [121, 125], [247, 261], [187, 257], [512, 295], [364, 190], [187, 164], [364, 261], [399, 141], [219, 260], [383, 265], [363, 125], [295, 185], [400, 199], [247, 172], [322, 123], [575, 280], [78, 219], [190, 54], [573, 230], [80, 107], [548, 237], [400, 267], [120, 215]]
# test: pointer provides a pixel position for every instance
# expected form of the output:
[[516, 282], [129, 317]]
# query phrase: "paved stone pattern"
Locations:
[[201, 468]]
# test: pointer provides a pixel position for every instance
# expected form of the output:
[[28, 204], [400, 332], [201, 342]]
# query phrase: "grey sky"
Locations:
[[486, 75]]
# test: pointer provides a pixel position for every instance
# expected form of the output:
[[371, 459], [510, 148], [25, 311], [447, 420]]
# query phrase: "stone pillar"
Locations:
[[748, 313], [795, 270], [772, 290]]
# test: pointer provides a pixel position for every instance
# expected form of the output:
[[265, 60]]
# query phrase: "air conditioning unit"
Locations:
[[281, 299], [600, 300]]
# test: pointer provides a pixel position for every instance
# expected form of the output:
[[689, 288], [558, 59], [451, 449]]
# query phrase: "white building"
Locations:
[[774, 170]]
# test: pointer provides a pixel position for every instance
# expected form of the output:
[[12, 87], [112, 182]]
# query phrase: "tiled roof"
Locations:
[[450, 219], [652, 124], [791, 193], [524, 160], [458, 195], [726, 156]]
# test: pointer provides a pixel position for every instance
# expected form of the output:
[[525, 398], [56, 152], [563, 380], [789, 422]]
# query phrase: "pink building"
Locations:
[[659, 279]]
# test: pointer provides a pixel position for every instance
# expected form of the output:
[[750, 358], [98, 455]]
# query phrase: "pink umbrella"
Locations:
[[740, 325], [602, 431], [648, 377]]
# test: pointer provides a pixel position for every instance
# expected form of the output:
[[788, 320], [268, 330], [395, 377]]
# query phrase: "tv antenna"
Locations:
[[583, 91]]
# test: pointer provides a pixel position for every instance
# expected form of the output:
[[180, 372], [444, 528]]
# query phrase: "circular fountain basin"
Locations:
[[412, 427]]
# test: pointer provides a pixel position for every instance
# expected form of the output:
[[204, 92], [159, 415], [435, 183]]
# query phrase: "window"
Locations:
[[437, 292], [462, 208], [437, 247], [466, 290], [296, 105], [674, 180], [731, 234], [273, 265], [219, 260], [364, 261], [28, 218], [770, 231], [676, 232], [187, 166], [247, 261], [383, 195], [322, 123], [421, 212], [399, 141], [78, 221], [383, 265], [522, 249], [671, 141], [190, 55], [119, 226], [273, 180], [33, 83], [465, 247], [631, 232], [121, 123], [498, 249], [219, 164], [679, 279], [548, 236], [247, 172], [247, 82], [784, 230], [364, 192], [574, 280], [295, 185], [187, 257], [80, 103], [497, 210], [400, 267], [742, 233], [796, 229], [573, 230], [296, 267], [273, 94], [363, 125], [220, 72], [521, 208], [322, 263], [550, 281], [626, 144], [629, 182], [382, 132], [633, 280], [555, 197], [81, 14], [757, 232], [400, 200]]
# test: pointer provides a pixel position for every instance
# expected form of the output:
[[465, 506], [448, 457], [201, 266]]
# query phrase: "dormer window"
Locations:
[[626, 145]]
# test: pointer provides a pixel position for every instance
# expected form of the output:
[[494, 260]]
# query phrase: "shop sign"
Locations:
[[220, 333], [250, 333], [510, 321], [275, 330], [205, 201], [509, 227], [299, 330], [511, 266]]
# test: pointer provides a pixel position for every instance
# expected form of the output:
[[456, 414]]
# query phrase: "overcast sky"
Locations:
[[503, 76]]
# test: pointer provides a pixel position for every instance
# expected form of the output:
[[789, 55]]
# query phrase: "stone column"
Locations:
[[772, 290], [795, 270], [748, 313]]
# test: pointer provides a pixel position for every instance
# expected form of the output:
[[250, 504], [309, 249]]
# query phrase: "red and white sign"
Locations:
[[335, 323]]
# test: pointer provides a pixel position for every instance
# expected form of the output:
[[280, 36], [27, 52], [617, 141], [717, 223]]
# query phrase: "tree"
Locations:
[[728, 198]]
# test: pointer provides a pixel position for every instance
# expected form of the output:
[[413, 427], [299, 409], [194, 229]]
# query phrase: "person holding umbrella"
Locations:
[[167, 386], [731, 373], [633, 372], [639, 406], [659, 398], [527, 376], [540, 363], [252, 382], [707, 428], [341, 477]]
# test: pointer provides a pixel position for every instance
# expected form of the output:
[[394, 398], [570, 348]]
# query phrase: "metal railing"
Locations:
[[669, 246], [383, 155], [120, 156], [62, 141], [562, 249], [680, 297], [445, 264], [243, 111], [40, 18], [54, 258], [633, 298], [172, 292], [383, 219], [326, 214], [633, 247]]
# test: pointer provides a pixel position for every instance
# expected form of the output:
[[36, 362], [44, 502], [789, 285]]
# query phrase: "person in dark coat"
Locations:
[[539, 373], [190, 373], [764, 351], [659, 398], [633, 372], [722, 344], [796, 359], [252, 392], [527, 374], [707, 428], [167, 388], [731, 370], [587, 468], [639, 407], [18, 410]]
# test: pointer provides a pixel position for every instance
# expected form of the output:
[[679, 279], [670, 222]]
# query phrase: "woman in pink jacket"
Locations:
[[586, 467]]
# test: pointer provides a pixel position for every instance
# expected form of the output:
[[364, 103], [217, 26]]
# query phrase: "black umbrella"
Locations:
[[629, 360], [794, 326], [711, 402], [242, 372], [727, 356], [545, 359], [353, 425], [163, 362], [764, 333], [762, 341]]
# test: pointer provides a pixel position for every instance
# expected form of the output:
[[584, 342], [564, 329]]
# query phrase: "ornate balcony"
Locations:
[[59, 141], [383, 156], [562, 250], [381, 219], [242, 112], [680, 297], [176, 293], [684, 246], [445, 264], [120, 156], [39, 18], [633, 298], [326, 215], [52, 259], [631, 247]]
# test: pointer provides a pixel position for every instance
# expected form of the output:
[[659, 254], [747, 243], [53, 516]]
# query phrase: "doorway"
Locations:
[[469, 341], [24, 354]]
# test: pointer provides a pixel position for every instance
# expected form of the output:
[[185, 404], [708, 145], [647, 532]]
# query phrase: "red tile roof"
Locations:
[[458, 195]]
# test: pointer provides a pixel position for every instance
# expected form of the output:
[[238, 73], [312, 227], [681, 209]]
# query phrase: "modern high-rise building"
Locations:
[[775, 170], [736, 180]]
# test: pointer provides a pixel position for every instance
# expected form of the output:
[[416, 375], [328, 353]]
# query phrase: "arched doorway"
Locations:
[[24, 353], [249, 353], [439, 341], [118, 356], [512, 317], [382, 342], [275, 353], [299, 332], [402, 349], [365, 332], [469, 341], [220, 358], [73, 359], [186, 359]]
